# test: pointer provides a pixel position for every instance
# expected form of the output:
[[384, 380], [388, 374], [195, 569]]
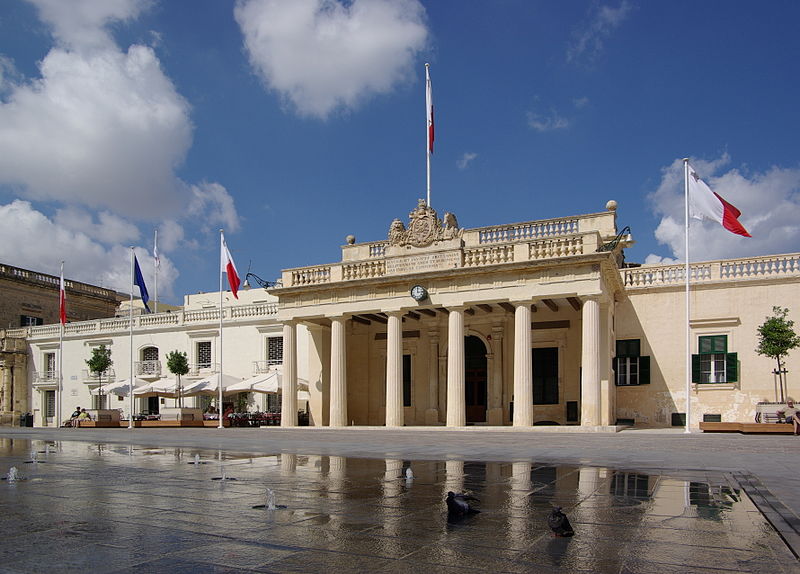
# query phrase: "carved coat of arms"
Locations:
[[424, 227]]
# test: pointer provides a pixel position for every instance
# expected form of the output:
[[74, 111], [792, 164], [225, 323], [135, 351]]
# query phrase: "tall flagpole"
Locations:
[[219, 374], [60, 383], [130, 332], [688, 313], [156, 264], [429, 125]]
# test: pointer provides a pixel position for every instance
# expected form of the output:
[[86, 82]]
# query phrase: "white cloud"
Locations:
[[105, 130], [81, 24], [580, 103], [213, 202], [31, 240], [547, 122], [588, 40], [323, 55], [106, 227], [465, 160], [769, 202]]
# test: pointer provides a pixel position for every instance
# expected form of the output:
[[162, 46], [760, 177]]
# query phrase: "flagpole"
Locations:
[[155, 264], [219, 382], [688, 309], [428, 111], [130, 332], [60, 383]]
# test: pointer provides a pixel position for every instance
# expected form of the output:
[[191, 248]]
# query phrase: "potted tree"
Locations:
[[776, 337], [99, 363], [178, 365]]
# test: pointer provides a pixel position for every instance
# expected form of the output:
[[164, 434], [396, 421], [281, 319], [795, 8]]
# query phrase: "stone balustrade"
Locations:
[[751, 268], [194, 317]]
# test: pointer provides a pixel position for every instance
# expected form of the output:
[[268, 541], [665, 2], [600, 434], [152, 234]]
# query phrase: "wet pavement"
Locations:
[[118, 501]]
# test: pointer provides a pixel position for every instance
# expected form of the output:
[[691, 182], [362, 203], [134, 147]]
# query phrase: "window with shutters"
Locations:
[[630, 366], [204, 354], [713, 363]]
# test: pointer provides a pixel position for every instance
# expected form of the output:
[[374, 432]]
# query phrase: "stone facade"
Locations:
[[30, 298], [525, 324]]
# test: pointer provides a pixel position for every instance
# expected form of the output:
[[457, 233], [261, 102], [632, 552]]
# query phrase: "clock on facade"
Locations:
[[418, 292]]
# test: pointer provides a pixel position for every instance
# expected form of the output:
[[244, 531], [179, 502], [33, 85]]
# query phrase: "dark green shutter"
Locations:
[[731, 367], [695, 368], [644, 370], [615, 363]]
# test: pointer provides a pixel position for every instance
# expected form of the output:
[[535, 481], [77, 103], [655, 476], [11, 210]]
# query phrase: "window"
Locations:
[[50, 366], [204, 355], [274, 350], [713, 363], [406, 380], [50, 404], [630, 367], [30, 321], [150, 354]]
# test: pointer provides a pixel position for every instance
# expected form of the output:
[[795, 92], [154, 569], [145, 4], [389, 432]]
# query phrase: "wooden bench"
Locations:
[[748, 428], [768, 412]]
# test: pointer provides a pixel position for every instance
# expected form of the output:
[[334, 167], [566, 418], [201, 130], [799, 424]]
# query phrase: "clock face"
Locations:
[[418, 292]]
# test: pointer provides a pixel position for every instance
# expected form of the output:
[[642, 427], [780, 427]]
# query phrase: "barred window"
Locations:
[[274, 350], [204, 354], [150, 354]]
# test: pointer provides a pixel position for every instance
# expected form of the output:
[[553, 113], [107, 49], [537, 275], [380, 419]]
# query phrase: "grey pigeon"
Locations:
[[559, 523], [458, 507]]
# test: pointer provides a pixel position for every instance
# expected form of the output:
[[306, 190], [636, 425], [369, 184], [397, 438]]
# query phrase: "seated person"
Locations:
[[72, 418], [790, 414], [76, 414], [84, 416]]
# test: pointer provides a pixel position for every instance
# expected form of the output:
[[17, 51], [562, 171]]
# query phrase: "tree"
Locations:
[[99, 363], [776, 337], [178, 364]]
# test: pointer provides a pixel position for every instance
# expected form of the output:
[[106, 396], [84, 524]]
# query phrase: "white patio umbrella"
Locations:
[[120, 388], [162, 387], [209, 385], [265, 383]]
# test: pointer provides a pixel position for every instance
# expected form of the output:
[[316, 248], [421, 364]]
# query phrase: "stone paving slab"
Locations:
[[762, 465]]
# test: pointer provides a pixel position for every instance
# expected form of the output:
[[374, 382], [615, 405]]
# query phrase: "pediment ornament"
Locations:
[[424, 227]]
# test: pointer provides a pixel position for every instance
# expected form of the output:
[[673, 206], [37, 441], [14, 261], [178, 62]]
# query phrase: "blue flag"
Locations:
[[138, 280]]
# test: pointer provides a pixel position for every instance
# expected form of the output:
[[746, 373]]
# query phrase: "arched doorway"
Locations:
[[475, 379]]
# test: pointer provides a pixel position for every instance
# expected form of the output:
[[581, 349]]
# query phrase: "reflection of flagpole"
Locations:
[[688, 314], [219, 407], [130, 328]]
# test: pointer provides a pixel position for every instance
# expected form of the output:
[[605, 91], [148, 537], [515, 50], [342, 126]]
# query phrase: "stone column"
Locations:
[[590, 363], [394, 371], [338, 408], [456, 403], [523, 368], [289, 383], [494, 416], [432, 412], [5, 380]]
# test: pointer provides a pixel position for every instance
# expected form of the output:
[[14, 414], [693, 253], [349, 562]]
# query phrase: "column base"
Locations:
[[494, 417], [431, 417]]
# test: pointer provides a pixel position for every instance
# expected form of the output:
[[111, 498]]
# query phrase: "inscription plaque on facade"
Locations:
[[423, 262]]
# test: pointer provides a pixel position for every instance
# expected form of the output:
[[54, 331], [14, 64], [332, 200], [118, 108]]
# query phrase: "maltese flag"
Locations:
[[228, 267], [706, 204]]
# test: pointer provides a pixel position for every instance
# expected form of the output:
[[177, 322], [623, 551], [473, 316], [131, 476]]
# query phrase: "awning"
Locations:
[[120, 388], [209, 385], [264, 383]]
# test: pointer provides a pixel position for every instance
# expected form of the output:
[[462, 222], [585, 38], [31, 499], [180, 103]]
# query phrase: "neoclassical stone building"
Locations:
[[527, 324]]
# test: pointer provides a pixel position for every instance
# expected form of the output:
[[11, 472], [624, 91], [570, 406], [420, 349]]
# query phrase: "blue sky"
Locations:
[[292, 124]]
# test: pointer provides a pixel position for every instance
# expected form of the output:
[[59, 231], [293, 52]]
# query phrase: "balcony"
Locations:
[[262, 367], [45, 378], [202, 369], [147, 369], [91, 378]]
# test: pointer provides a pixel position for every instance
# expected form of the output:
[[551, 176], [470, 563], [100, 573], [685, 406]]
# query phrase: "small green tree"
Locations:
[[178, 365], [98, 364], [776, 337]]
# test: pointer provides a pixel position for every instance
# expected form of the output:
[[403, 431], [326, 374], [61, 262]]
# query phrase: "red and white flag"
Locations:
[[62, 299], [707, 204], [429, 107], [228, 267]]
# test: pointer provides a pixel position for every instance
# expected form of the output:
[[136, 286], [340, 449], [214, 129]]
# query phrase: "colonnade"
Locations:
[[593, 346]]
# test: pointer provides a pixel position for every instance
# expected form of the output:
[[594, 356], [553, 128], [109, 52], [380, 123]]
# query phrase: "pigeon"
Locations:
[[559, 523], [458, 507]]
